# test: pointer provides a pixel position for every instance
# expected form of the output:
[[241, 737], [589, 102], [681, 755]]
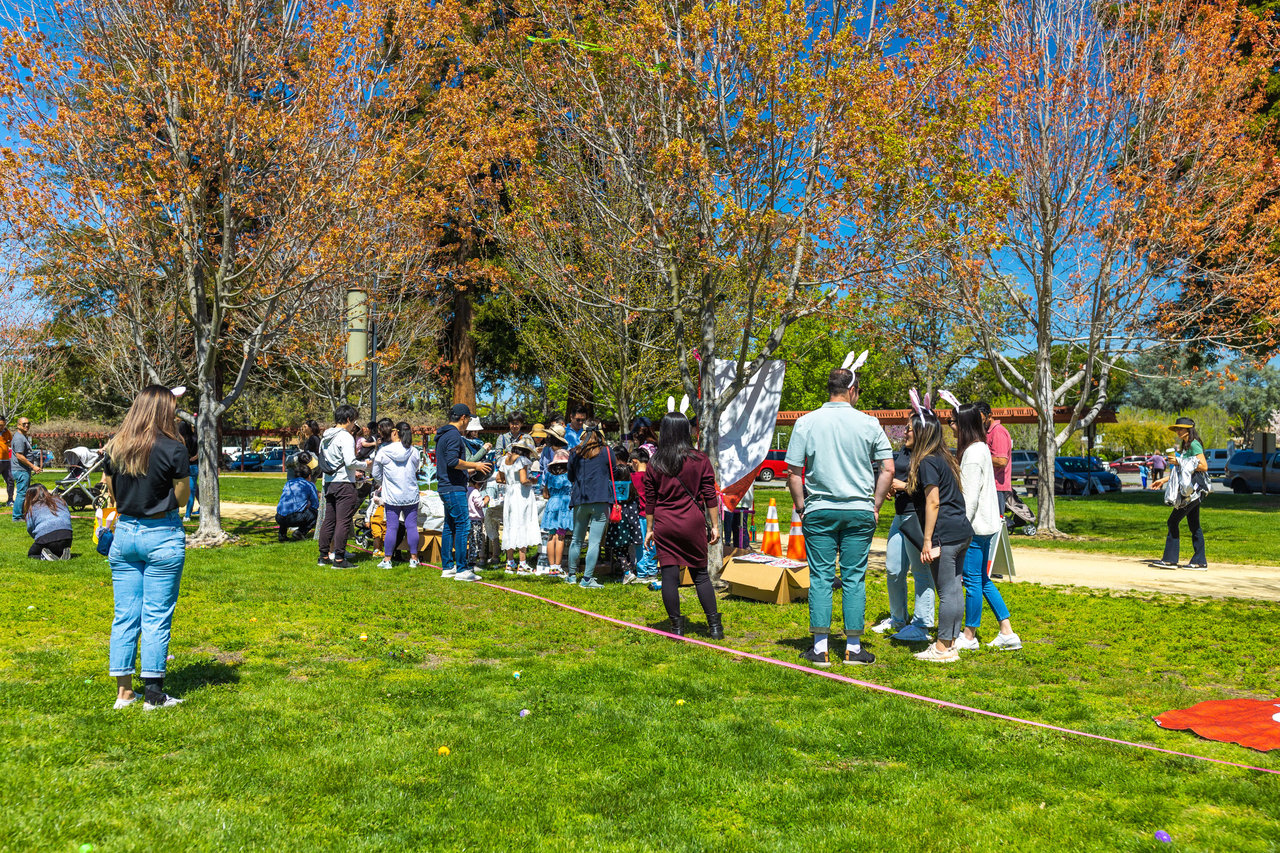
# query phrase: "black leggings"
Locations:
[[701, 585], [57, 545]]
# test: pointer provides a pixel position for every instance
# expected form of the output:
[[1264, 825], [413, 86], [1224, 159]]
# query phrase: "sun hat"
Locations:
[[555, 434], [524, 442], [560, 457], [539, 431], [1182, 423], [474, 425]]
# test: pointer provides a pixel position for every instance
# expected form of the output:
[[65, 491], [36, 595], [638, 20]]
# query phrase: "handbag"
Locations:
[[615, 512]]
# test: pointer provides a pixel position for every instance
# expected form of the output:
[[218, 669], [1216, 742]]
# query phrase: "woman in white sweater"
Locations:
[[978, 480]]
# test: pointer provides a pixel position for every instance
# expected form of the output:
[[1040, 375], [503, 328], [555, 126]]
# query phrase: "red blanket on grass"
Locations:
[[1248, 722]]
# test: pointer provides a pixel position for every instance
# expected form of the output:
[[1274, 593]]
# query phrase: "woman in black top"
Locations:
[[146, 475], [187, 434], [933, 482]]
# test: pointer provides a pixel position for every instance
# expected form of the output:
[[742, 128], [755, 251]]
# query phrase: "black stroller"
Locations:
[[74, 488]]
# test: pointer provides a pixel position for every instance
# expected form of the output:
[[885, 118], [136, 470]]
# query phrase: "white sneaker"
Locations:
[[384, 564], [523, 570], [932, 655], [1005, 643], [125, 703], [449, 573], [468, 575], [413, 562], [885, 625], [964, 644], [542, 571]]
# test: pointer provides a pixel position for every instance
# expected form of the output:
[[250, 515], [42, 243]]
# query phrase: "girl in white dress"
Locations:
[[520, 528]]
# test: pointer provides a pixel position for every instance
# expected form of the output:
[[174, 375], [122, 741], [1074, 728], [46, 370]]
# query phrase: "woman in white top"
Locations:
[[395, 467], [520, 528], [978, 481]]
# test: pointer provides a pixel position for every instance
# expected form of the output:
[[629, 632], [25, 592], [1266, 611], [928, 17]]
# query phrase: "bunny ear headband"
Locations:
[[920, 406], [950, 398], [851, 364], [178, 391], [684, 405]]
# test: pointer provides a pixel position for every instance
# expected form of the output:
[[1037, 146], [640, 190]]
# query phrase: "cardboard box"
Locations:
[[429, 549], [763, 582]]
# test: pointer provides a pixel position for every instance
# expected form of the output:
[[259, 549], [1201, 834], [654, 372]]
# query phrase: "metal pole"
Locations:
[[373, 351]]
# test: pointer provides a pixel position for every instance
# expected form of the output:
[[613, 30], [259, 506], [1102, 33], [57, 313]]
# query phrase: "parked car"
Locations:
[[273, 460], [1248, 471], [1072, 474], [1128, 464], [248, 461], [1022, 461], [773, 467], [1217, 457]]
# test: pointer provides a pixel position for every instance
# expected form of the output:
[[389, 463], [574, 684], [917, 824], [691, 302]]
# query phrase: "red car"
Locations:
[[774, 466], [1127, 465]]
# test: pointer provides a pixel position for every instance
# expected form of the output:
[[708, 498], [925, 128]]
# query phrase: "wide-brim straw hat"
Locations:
[[555, 434], [524, 442], [538, 431]]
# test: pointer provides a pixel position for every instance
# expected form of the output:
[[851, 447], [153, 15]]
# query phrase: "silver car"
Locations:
[[1248, 471]]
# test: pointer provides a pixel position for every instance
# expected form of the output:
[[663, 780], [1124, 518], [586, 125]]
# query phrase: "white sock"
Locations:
[[854, 644], [819, 643]]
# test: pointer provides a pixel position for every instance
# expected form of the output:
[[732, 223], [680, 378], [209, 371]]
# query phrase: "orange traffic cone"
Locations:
[[795, 540], [772, 544]]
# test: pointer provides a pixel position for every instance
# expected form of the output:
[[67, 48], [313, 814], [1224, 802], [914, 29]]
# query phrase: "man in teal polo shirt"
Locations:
[[834, 486]]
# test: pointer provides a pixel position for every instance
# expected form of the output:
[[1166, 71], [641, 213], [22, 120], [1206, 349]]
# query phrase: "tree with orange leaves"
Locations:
[[1130, 134], [737, 166], [199, 173]]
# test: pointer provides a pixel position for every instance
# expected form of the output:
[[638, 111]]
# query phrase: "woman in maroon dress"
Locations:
[[680, 491]]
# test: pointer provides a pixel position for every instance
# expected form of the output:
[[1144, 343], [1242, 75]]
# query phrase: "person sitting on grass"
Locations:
[[299, 502], [49, 523]]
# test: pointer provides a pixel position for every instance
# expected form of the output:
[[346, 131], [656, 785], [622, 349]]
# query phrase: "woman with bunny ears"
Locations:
[[933, 481]]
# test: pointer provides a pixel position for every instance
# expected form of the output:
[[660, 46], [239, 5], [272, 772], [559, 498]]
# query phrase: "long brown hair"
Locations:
[[930, 440], [592, 441], [38, 495], [151, 416], [968, 418]]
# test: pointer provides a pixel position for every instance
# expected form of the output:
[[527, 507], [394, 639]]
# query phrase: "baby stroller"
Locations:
[[74, 488], [1020, 513]]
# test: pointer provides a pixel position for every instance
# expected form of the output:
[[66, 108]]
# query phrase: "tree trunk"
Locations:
[[463, 345], [210, 530]]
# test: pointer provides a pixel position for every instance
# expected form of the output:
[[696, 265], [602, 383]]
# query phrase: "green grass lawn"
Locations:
[[298, 735]]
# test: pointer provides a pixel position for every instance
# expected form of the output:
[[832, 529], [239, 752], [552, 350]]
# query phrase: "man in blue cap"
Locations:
[[452, 470]]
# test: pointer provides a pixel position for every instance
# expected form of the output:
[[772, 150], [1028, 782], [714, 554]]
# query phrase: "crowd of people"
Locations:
[[559, 499]]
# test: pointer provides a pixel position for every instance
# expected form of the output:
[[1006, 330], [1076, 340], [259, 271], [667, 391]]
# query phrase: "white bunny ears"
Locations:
[[684, 405], [851, 364], [178, 390], [949, 397]]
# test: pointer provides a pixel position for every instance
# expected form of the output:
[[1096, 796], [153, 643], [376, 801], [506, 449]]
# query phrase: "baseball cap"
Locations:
[[459, 410]]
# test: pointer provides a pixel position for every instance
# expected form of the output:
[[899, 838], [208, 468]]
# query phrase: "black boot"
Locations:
[[714, 626], [678, 625]]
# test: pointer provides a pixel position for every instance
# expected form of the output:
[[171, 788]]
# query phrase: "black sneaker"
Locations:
[[343, 563], [822, 659], [1161, 564], [323, 561], [862, 656], [160, 700]]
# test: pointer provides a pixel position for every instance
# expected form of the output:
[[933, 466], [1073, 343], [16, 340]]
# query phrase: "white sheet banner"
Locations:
[[746, 425]]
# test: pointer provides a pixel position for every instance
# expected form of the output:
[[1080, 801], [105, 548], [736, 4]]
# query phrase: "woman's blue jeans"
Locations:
[[193, 475], [978, 585], [900, 555], [589, 522], [147, 555]]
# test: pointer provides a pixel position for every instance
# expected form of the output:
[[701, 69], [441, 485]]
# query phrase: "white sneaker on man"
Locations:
[[966, 644], [468, 575], [449, 573]]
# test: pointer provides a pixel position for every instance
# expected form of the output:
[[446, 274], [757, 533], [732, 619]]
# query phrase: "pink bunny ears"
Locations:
[[851, 364], [950, 398], [920, 406]]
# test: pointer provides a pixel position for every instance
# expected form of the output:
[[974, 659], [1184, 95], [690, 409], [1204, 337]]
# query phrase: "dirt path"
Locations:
[[1107, 571]]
